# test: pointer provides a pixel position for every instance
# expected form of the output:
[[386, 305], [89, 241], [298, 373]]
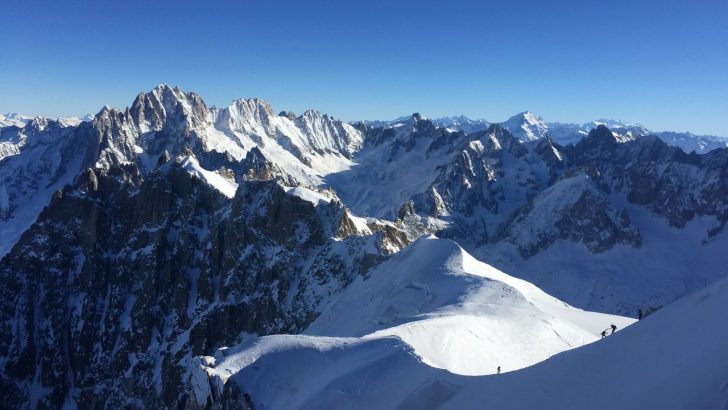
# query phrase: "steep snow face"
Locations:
[[35, 161], [574, 209], [680, 349], [526, 126], [449, 310], [310, 195], [395, 164], [226, 186], [305, 147]]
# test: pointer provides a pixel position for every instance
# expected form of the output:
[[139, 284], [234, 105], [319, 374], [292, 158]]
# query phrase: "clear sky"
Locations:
[[661, 63]]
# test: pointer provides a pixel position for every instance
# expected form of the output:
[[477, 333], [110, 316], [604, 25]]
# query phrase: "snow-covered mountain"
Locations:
[[526, 126], [517, 204], [673, 359], [146, 236], [432, 300], [122, 278], [13, 119], [690, 142], [246, 138], [140, 243], [461, 123]]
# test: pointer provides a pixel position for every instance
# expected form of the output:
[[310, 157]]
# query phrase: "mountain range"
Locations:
[[177, 255], [527, 126]]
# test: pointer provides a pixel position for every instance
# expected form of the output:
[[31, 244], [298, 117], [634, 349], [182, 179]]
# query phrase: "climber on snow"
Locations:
[[614, 329], [604, 334]]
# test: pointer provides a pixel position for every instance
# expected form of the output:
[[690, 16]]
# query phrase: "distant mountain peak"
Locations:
[[526, 126]]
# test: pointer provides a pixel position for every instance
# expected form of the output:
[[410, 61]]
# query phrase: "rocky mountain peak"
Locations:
[[288, 114], [602, 134], [166, 107], [526, 126]]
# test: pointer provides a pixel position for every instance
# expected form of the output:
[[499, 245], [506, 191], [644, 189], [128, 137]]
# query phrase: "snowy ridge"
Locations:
[[164, 121], [458, 313], [632, 369], [19, 120], [448, 309], [225, 185], [527, 127], [14, 119], [310, 195]]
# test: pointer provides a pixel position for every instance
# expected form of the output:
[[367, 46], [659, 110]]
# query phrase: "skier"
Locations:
[[614, 328], [498, 369], [639, 314], [604, 334]]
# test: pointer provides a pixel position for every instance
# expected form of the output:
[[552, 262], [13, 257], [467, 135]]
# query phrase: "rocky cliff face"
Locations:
[[148, 236], [119, 283], [495, 188], [245, 138]]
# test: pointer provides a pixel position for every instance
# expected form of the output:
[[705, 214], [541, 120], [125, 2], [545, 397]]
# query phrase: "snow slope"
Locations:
[[681, 348], [458, 313], [226, 186], [669, 262], [674, 359], [444, 308]]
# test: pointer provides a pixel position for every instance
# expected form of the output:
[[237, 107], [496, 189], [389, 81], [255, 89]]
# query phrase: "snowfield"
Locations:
[[432, 306], [458, 313], [647, 365]]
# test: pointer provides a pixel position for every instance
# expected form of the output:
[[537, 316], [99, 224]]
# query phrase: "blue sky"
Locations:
[[661, 63]]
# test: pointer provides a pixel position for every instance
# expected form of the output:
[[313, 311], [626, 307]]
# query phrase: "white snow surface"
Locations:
[[440, 307], [378, 182], [225, 185], [458, 313], [526, 126], [13, 119], [670, 261], [681, 348], [308, 194]]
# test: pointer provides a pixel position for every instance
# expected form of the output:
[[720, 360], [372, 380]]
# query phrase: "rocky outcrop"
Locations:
[[117, 286], [573, 209]]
